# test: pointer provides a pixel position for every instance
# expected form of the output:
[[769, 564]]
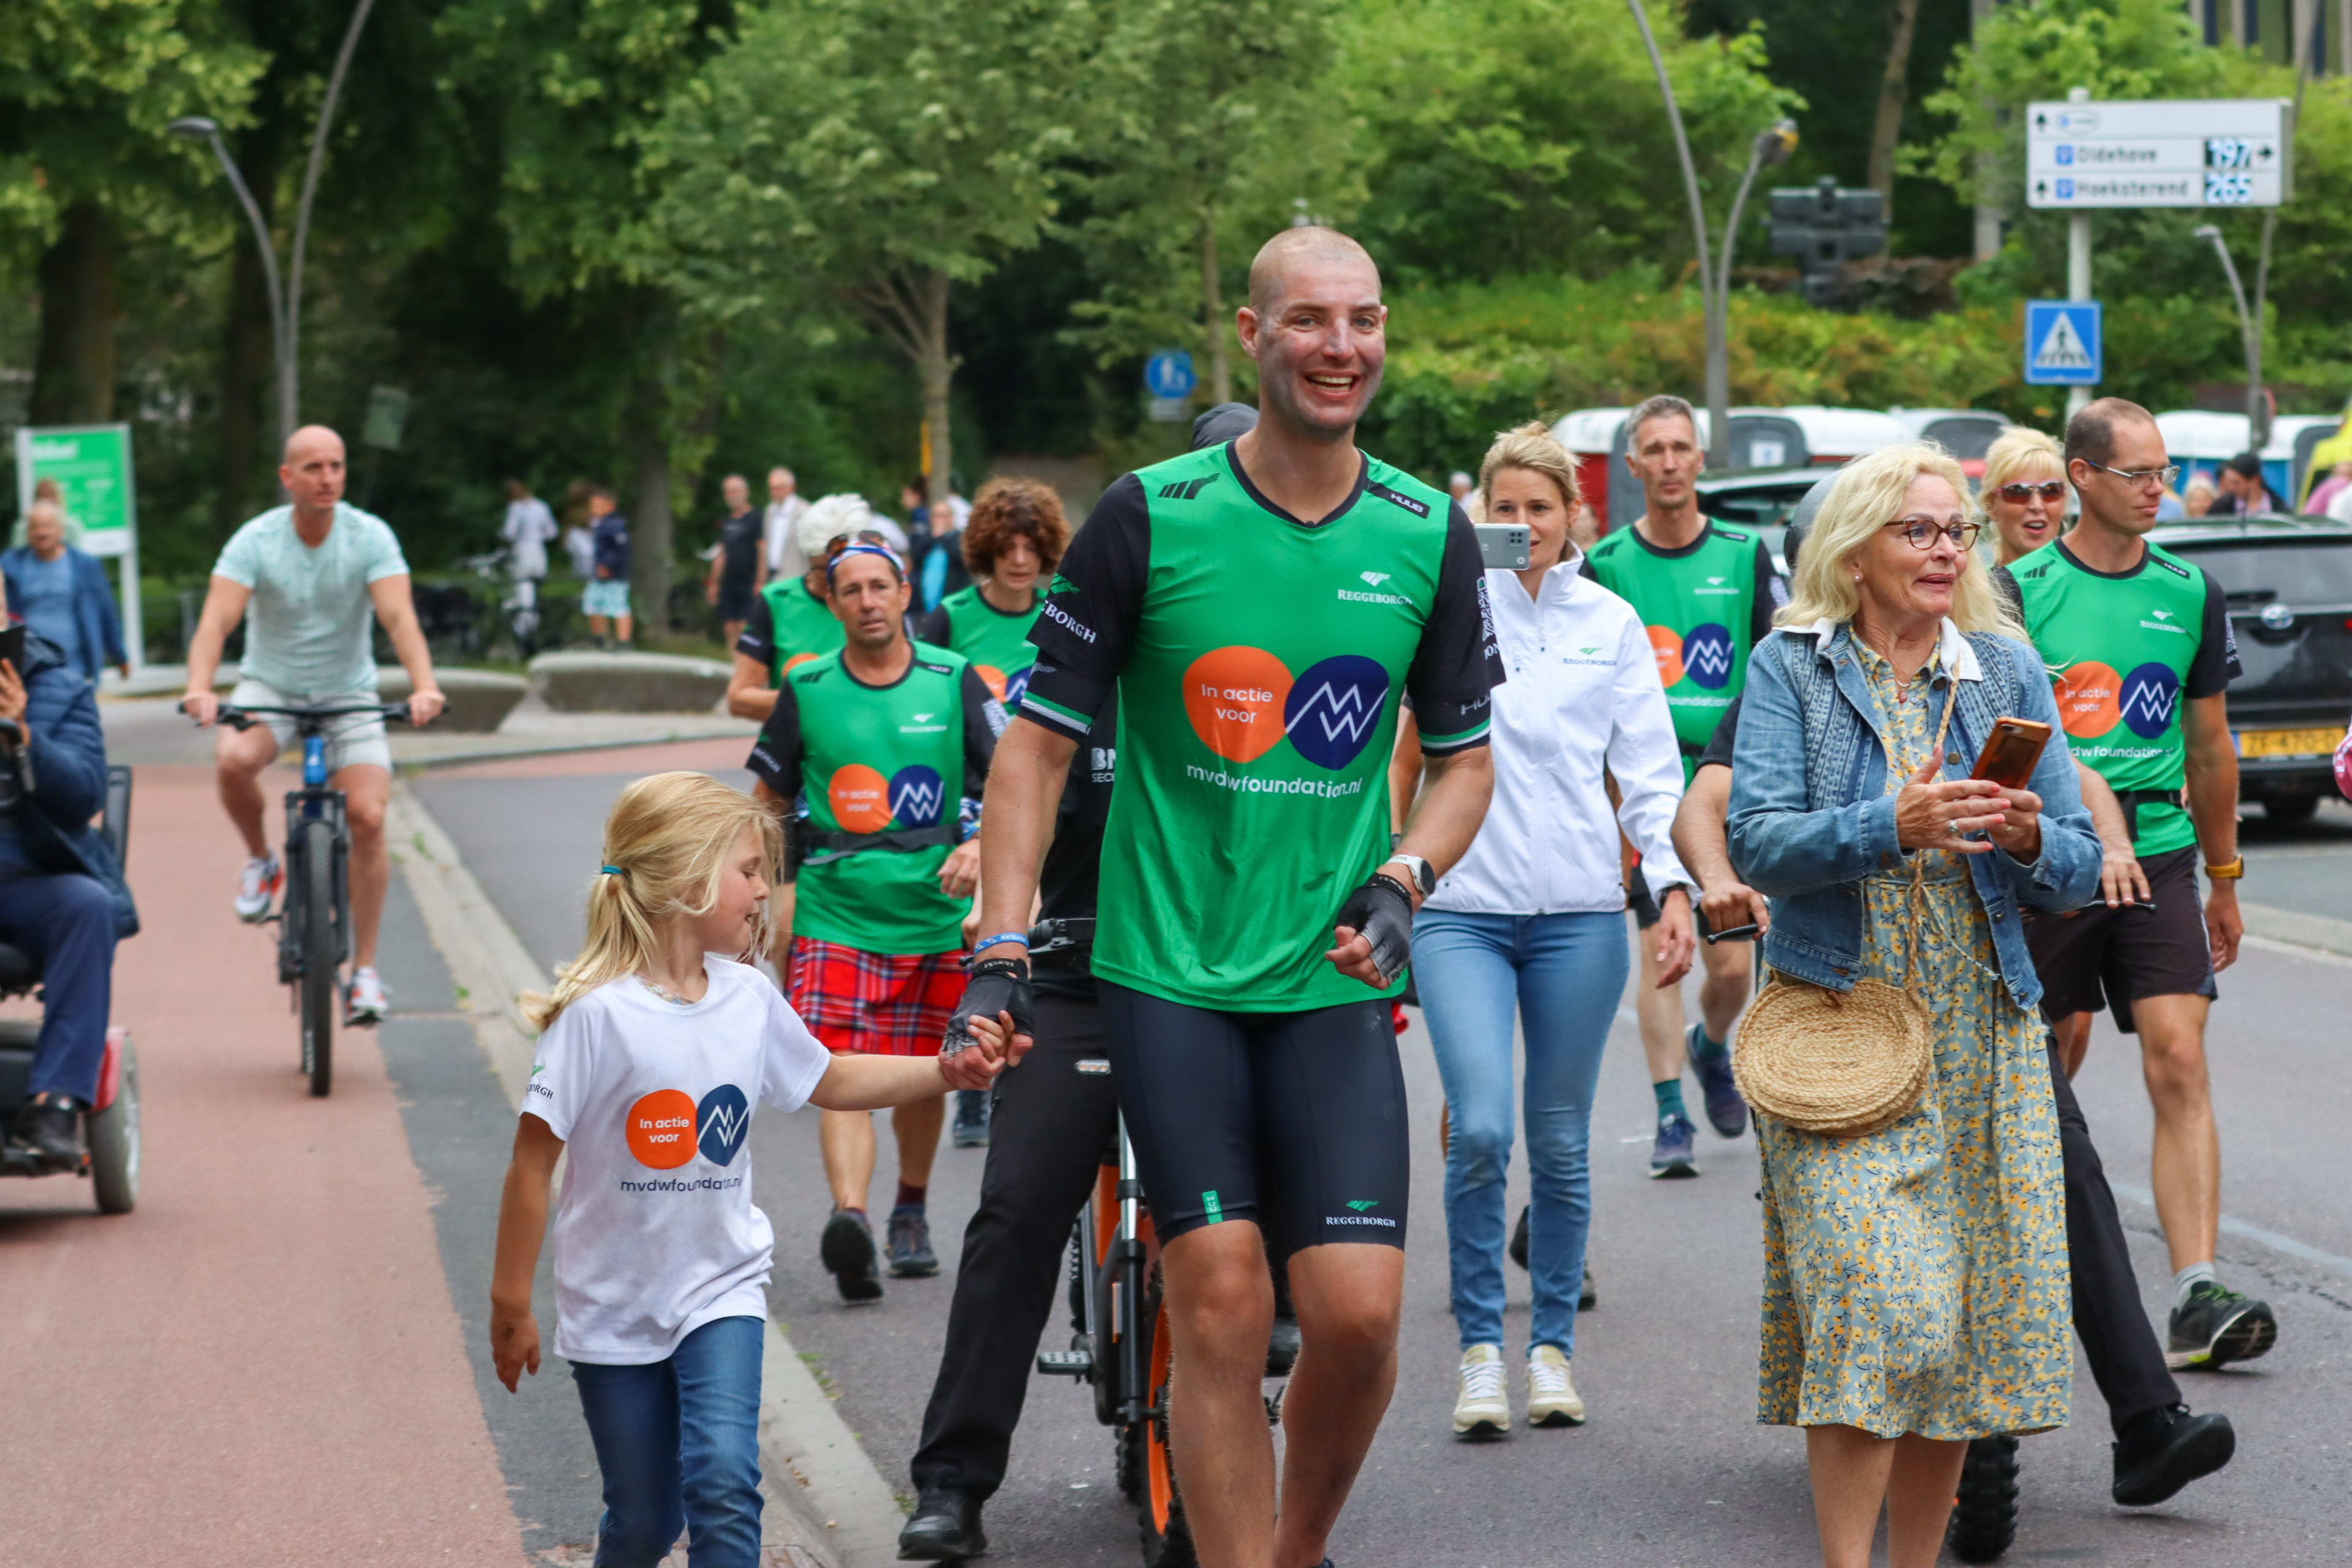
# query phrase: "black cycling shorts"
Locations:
[[2121, 955], [1638, 899], [1295, 1121]]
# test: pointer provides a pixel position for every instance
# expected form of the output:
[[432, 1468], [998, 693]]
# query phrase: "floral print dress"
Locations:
[[1915, 1280]]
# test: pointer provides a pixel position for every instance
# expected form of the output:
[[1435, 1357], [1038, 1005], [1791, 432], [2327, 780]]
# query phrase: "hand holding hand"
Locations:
[[977, 1065], [1932, 815]]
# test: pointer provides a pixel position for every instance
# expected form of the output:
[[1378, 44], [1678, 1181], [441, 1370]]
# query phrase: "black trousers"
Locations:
[[1050, 1129], [2117, 1340]]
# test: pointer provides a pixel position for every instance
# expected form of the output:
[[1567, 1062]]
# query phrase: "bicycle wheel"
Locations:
[[318, 999], [1984, 1516], [1167, 1537]]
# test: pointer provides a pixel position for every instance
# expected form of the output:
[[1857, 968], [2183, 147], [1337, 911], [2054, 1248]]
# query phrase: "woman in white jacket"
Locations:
[[1534, 915]]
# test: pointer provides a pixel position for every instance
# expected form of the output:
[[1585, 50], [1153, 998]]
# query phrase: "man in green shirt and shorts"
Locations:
[[1259, 606], [2138, 645], [1706, 594]]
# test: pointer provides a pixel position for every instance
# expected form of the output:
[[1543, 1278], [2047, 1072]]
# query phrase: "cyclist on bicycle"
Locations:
[[1257, 605], [312, 572]]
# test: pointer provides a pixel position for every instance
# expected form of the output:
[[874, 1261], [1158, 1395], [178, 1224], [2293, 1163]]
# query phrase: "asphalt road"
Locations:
[[1671, 1468]]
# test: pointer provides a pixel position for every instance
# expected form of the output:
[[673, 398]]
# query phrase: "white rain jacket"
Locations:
[[1583, 694]]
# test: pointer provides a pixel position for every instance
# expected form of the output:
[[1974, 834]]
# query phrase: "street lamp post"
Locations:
[[286, 302], [2257, 405]]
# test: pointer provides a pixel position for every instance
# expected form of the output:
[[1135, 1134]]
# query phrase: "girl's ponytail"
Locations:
[[666, 844]]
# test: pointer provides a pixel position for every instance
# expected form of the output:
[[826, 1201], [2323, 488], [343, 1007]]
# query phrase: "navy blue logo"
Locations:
[[723, 1117], [1333, 709], [916, 796], [1707, 656], [2150, 694]]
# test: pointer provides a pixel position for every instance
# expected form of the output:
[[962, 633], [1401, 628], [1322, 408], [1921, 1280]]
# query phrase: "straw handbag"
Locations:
[[1842, 1063]]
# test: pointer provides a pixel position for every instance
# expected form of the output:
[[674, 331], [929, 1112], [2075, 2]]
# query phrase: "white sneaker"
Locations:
[[366, 1004], [1483, 1408], [1551, 1397], [258, 886]]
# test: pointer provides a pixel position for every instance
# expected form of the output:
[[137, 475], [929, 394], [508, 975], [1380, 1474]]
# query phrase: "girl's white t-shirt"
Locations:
[[654, 1230]]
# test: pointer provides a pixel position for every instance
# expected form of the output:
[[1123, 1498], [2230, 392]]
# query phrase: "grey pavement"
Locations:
[[1671, 1468]]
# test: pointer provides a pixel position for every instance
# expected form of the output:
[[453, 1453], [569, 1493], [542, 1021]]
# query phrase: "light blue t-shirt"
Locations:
[[46, 590], [307, 628]]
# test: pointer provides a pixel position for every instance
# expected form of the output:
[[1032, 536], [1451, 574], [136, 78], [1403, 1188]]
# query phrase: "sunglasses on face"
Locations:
[[2019, 494], [1921, 534]]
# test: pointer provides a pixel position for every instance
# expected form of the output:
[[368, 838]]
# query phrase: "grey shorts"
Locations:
[[356, 742]]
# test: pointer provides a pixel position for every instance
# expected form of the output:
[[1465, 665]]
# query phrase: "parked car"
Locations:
[[2289, 583], [1965, 432], [2200, 441], [1760, 502], [1758, 439]]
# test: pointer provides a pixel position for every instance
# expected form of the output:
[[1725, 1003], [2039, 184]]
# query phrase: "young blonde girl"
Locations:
[[654, 1047]]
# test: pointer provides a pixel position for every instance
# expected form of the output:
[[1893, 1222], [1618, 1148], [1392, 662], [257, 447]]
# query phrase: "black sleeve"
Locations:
[[932, 627], [1457, 663], [984, 721], [1090, 610], [2004, 582], [775, 759], [2216, 664], [1771, 594], [1587, 569], [758, 640], [1719, 744]]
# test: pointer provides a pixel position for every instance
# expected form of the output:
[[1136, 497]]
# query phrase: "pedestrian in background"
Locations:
[[779, 525], [61, 593], [1532, 921], [654, 1051], [2024, 492], [606, 596], [529, 529], [2244, 493], [739, 564], [1915, 1278], [2196, 496], [2324, 494]]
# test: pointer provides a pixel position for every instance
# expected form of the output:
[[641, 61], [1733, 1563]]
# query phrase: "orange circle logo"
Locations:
[[1666, 647], [661, 1130], [2087, 695], [1234, 697], [860, 799], [992, 678]]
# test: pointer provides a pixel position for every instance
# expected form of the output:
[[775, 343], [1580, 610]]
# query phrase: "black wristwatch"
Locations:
[[1424, 877]]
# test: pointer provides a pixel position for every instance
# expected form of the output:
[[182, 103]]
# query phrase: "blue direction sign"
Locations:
[[2062, 343], [1169, 374]]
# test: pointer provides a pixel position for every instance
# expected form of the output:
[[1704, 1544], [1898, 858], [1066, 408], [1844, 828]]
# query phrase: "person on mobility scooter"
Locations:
[[63, 902]]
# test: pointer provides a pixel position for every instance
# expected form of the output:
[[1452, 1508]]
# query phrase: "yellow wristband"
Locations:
[[2229, 873]]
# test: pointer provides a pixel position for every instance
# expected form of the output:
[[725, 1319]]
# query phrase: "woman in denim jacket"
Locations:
[[1916, 1279]]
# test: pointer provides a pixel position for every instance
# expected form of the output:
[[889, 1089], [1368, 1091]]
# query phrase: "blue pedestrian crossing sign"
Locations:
[[2062, 343], [1169, 374]]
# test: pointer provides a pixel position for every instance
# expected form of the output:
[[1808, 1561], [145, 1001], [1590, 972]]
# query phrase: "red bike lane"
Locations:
[[262, 1363]]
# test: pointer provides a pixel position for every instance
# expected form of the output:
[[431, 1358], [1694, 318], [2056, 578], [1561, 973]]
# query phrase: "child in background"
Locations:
[[606, 596], [654, 1049]]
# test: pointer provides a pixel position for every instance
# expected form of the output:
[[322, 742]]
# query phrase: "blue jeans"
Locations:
[[678, 1443], [65, 922], [1566, 972]]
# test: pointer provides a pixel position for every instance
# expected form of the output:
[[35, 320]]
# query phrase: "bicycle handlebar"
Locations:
[[243, 719]]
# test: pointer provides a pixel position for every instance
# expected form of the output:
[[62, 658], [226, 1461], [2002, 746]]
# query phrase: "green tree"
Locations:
[[876, 153]]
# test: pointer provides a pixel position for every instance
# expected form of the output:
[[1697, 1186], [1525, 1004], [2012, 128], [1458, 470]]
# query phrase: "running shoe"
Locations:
[[910, 1243], [971, 1130], [2216, 1326], [846, 1249], [1552, 1399], [1725, 1111], [1672, 1154], [1481, 1409], [258, 887], [2164, 1450], [364, 1005]]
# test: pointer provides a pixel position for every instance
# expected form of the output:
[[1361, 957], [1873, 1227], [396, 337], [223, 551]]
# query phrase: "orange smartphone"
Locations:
[[2011, 751]]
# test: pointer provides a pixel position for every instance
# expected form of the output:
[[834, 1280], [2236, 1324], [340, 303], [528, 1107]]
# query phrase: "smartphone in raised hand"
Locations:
[[2010, 752], [11, 646]]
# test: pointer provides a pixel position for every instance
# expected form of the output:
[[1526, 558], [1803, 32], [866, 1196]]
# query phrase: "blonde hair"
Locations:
[[665, 845], [1530, 447], [2018, 449], [1865, 496]]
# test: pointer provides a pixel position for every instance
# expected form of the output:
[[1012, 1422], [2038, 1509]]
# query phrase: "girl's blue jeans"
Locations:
[[1564, 974], [678, 1444]]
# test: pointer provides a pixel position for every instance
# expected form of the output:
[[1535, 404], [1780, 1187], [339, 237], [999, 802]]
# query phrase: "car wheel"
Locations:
[[2290, 807]]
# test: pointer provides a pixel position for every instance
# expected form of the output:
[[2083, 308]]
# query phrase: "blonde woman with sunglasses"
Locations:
[[2024, 492]]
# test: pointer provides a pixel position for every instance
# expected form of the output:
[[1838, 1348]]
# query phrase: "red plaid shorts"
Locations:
[[874, 1004]]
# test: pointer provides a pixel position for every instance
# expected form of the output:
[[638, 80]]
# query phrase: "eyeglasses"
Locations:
[[2164, 477], [1922, 534], [2019, 494]]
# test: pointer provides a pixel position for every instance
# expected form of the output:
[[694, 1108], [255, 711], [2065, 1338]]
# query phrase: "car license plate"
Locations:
[[2288, 743]]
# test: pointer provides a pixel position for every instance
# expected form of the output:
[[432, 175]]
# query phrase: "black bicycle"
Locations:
[[314, 919]]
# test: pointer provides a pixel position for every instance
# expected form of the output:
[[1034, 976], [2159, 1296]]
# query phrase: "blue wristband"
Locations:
[[1020, 936]]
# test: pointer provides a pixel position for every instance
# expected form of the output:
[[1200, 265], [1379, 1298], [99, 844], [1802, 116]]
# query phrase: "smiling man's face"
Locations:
[[1319, 338]]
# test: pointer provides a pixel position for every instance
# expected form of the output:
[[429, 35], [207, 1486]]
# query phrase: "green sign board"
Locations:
[[92, 466]]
